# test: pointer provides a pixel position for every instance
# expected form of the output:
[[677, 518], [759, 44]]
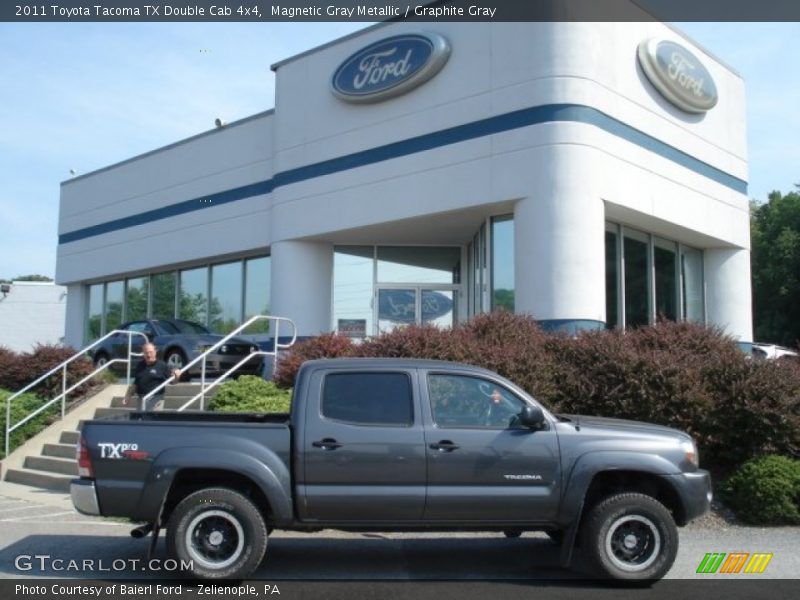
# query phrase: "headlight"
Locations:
[[224, 349], [690, 449]]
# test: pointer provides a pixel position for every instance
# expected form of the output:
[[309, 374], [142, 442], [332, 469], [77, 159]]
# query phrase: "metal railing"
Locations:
[[64, 390], [277, 347]]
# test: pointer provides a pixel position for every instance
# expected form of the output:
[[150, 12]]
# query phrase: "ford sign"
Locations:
[[400, 306], [390, 67], [678, 75]]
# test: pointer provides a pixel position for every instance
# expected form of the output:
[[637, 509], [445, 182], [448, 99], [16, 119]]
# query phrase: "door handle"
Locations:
[[327, 444], [444, 446]]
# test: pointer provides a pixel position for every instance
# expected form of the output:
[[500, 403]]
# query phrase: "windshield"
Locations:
[[182, 327]]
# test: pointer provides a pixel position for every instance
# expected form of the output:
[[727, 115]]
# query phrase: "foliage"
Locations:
[[21, 407], [34, 277], [19, 369], [765, 491], [682, 375], [775, 239], [249, 393]]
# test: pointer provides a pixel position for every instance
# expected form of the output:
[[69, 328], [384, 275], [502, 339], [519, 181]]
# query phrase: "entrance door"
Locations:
[[403, 305]]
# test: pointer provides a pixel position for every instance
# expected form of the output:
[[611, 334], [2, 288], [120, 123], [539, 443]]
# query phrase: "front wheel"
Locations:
[[630, 537], [220, 531]]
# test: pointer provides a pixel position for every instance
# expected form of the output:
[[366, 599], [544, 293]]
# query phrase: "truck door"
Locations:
[[363, 447], [483, 465]]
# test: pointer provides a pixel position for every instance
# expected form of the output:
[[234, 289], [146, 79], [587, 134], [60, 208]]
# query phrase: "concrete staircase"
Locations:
[[48, 460]]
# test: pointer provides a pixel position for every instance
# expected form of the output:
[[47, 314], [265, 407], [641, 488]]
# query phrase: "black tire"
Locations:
[[221, 531], [100, 358], [630, 537], [512, 533], [176, 359]]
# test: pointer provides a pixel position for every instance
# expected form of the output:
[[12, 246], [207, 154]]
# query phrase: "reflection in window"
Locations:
[[664, 256], [636, 296], [412, 264], [94, 323], [193, 299], [226, 297], [114, 299], [163, 295], [461, 401], [256, 295], [503, 263], [612, 279], [692, 275], [136, 299], [352, 290]]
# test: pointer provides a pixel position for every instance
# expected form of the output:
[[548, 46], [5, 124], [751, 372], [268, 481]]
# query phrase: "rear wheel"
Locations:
[[175, 359], [100, 360], [220, 531], [630, 537]]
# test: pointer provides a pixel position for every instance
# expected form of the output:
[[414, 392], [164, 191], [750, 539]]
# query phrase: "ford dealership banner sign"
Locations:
[[390, 67], [678, 75]]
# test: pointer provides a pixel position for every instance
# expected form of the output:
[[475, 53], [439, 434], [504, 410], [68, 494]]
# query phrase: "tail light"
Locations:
[[82, 456]]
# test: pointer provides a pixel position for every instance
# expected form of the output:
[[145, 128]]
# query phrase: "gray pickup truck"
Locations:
[[395, 444]]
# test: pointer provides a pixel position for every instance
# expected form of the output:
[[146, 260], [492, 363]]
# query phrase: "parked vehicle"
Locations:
[[179, 342], [396, 444], [773, 351]]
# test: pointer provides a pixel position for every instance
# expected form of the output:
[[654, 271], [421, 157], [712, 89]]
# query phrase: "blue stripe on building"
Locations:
[[430, 141]]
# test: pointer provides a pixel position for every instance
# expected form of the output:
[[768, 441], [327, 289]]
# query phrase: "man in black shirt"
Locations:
[[148, 375]]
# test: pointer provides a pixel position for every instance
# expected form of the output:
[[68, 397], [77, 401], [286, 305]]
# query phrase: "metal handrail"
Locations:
[[64, 391], [202, 358]]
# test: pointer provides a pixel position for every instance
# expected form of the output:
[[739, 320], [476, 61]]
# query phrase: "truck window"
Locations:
[[368, 398], [462, 401]]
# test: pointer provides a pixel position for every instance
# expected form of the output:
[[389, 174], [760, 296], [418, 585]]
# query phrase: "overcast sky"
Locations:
[[83, 96]]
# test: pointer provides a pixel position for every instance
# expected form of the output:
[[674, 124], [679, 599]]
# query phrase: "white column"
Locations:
[[728, 293], [302, 276], [559, 243]]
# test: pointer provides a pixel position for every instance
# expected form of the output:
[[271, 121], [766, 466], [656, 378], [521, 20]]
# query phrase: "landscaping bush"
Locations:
[[21, 407], [327, 345], [251, 394], [19, 369], [765, 491]]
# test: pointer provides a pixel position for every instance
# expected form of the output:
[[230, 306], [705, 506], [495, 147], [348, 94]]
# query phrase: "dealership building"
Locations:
[[589, 174]]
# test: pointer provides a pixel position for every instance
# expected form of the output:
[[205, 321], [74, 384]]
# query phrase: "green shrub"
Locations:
[[765, 491], [21, 407], [251, 394]]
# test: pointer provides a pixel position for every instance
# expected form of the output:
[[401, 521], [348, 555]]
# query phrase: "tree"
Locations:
[[775, 237], [33, 278]]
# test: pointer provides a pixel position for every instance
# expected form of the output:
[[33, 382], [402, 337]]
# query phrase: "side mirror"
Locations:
[[532, 417]]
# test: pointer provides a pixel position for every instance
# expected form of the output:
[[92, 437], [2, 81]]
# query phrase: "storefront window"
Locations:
[[353, 274], [665, 265], [114, 299], [692, 275], [418, 264], [193, 299], [612, 277], [257, 295], [636, 289], [163, 295], [94, 321], [226, 297], [503, 263], [136, 297]]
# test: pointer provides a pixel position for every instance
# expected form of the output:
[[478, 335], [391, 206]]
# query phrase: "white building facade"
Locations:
[[31, 313], [589, 174]]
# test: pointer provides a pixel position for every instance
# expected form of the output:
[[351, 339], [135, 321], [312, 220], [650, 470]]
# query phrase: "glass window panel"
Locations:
[[113, 310], [636, 287], [368, 398], [163, 295], [136, 296], [438, 308], [503, 263], [353, 290], [665, 258], [226, 297], [459, 401], [193, 300], [257, 292], [396, 307], [94, 321], [612, 280], [409, 264], [692, 275]]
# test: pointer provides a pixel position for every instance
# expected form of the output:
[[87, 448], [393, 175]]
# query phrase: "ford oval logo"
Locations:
[[390, 67], [678, 75]]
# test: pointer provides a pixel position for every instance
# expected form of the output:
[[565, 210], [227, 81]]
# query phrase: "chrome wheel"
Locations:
[[175, 360]]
